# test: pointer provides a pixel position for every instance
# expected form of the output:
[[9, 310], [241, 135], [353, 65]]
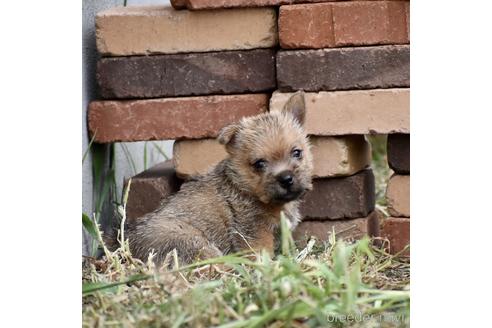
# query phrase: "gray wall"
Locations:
[[129, 157]]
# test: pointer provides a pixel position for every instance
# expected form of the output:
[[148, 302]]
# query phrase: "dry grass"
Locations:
[[333, 280]]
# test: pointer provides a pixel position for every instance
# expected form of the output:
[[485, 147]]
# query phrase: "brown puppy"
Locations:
[[236, 205]]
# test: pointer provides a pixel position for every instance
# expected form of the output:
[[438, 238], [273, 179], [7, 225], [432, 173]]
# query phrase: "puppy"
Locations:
[[237, 205]]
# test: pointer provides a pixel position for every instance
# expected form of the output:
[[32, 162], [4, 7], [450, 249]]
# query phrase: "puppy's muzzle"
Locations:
[[285, 179]]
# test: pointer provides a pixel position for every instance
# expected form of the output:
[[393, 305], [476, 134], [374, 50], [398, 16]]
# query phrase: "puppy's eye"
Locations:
[[260, 164], [297, 153]]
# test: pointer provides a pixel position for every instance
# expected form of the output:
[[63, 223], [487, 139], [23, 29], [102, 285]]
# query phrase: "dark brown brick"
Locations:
[[397, 231], [225, 72], [149, 188], [215, 4], [399, 153], [170, 118], [344, 68], [339, 198], [344, 229]]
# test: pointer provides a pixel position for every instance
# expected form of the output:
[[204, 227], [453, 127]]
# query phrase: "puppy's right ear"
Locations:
[[227, 135], [296, 106]]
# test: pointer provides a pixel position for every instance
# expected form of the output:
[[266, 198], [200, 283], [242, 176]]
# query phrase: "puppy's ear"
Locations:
[[296, 107], [227, 135]]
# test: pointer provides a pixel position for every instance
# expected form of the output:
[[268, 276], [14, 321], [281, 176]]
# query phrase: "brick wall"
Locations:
[[184, 74], [127, 156]]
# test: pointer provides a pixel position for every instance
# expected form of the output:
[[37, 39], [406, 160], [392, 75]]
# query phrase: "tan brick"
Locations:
[[170, 118], [146, 30], [398, 195], [354, 112], [339, 156], [326, 25], [344, 229], [192, 157], [397, 231], [332, 156]]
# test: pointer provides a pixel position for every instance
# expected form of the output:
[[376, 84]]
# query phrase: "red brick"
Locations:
[[306, 26], [149, 188], [170, 118], [397, 231], [358, 23], [344, 229], [407, 18], [366, 23]]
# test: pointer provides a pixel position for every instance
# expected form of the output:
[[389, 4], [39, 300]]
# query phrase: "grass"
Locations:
[[332, 284], [105, 195], [327, 284], [380, 167], [233, 291]]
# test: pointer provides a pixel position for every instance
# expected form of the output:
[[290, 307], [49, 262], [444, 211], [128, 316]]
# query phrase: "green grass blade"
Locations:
[[145, 156], [88, 148], [88, 288], [160, 150], [287, 243], [254, 291], [129, 158], [89, 225]]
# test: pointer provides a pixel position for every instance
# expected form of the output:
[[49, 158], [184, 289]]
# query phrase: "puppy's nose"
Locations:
[[285, 179]]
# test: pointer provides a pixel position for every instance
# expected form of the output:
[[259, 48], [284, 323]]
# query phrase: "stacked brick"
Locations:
[[396, 228], [352, 59], [179, 75], [184, 74], [169, 74]]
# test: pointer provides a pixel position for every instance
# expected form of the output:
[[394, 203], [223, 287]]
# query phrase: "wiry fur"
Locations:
[[233, 207]]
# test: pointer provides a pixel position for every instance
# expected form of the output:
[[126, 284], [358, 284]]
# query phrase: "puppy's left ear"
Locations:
[[296, 106], [227, 135]]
